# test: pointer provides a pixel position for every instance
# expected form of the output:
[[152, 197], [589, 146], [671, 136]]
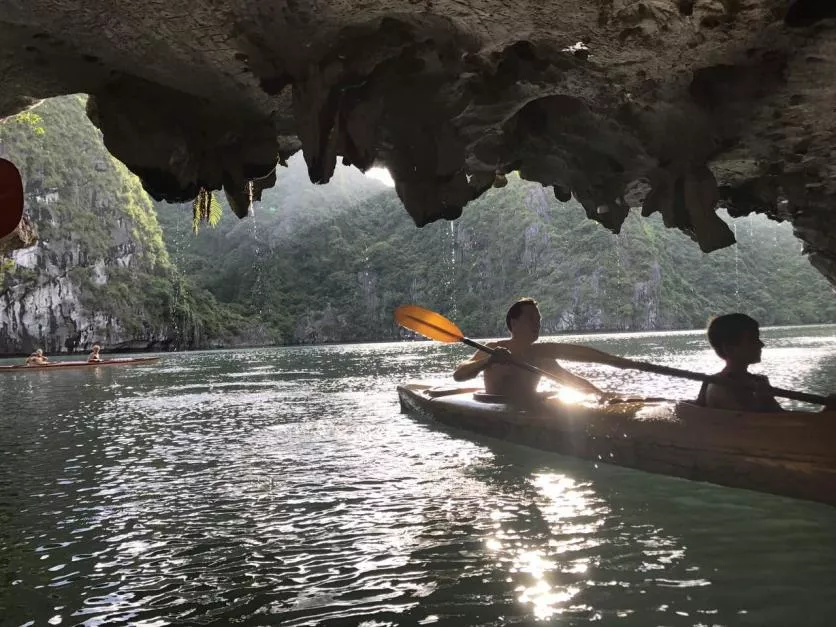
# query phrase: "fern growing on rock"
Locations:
[[205, 210]]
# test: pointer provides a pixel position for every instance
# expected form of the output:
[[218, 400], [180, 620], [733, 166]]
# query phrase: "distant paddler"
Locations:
[[94, 356], [37, 359]]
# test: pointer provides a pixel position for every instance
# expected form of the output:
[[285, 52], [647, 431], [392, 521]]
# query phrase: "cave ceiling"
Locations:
[[674, 106]]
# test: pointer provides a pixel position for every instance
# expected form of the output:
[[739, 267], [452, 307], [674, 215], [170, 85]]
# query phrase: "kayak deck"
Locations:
[[790, 453], [55, 365]]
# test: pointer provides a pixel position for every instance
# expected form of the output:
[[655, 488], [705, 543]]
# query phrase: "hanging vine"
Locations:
[[205, 209]]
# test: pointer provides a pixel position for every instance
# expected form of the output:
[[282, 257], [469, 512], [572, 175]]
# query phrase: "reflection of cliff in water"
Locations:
[[64, 514]]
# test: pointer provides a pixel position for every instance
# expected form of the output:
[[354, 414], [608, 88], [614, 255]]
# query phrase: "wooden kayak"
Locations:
[[57, 365], [790, 453]]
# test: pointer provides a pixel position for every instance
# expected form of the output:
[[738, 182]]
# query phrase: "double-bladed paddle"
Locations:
[[436, 327]]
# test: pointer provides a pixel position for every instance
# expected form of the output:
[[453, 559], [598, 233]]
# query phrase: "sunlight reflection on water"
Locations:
[[283, 486]]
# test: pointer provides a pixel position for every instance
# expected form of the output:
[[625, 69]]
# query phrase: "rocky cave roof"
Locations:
[[675, 106]]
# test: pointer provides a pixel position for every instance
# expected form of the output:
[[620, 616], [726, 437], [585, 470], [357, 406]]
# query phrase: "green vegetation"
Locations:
[[98, 226], [7, 267], [315, 274], [27, 120], [330, 263], [205, 209]]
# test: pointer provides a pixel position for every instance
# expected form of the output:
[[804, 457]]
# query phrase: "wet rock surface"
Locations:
[[672, 105]]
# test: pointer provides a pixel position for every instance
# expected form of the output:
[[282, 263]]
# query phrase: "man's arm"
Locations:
[[573, 381], [575, 352], [472, 367], [572, 352]]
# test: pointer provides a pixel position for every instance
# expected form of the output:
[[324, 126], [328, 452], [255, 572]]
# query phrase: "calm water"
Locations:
[[283, 486]]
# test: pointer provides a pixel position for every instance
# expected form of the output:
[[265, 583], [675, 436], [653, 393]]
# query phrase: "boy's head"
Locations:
[[736, 338], [96, 348], [523, 319]]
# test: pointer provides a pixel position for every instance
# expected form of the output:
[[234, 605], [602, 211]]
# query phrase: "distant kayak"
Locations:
[[55, 365]]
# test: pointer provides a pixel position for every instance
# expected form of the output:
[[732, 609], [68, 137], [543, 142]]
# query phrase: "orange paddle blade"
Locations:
[[11, 197], [428, 323]]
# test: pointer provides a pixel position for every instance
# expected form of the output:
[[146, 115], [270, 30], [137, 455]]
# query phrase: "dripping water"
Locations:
[[736, 266], [177, 259], [257, 291], [451, 276]]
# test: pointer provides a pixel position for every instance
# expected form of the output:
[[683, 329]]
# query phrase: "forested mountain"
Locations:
[[100, 271], [330, 263]]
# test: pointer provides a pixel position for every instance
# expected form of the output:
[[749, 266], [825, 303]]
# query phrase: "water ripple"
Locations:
[[283, 486]]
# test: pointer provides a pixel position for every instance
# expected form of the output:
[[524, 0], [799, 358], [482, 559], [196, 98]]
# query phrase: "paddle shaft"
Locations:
[[629, 364], [437, 327], [708, 378], [519, 364]]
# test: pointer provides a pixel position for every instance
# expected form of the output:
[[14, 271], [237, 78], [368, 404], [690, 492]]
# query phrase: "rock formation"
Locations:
[[672, 105], [25, 235], [100, 272]]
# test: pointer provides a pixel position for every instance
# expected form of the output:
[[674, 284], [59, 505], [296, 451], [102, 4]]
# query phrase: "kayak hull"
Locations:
[[790, 454], [57, 365]]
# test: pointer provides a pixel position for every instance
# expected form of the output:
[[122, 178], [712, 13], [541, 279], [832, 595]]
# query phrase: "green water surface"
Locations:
[[283, 487]]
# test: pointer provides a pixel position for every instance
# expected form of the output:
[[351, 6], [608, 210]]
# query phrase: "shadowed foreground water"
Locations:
[[283, 486]]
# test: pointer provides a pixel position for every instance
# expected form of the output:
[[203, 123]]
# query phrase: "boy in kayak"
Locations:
[[736, 340], [94, 356], [37, 359], [504, 379]]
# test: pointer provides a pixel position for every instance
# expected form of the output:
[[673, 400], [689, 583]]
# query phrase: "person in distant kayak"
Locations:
[[503, 378], [37, 358], [736, 339], [94, 356]]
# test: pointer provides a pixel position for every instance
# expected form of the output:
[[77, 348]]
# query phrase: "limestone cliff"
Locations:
[[677, 106], [330, 263], [100, 272]]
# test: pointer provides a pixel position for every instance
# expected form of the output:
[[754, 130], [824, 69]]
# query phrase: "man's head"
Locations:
[[96, 348], [523, 320], [736, 337], [39, 352]]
